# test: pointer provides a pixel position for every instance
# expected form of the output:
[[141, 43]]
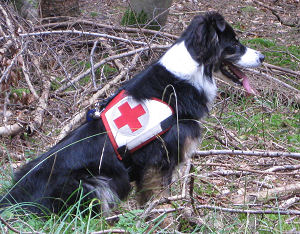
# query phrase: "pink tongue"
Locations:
[[242, 75], [247, 86]]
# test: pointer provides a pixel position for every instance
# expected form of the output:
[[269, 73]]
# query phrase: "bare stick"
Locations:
[[274, 79], [111, 27], [80, 33], [268, 194], [6, 100], [270, 171], [224, 173], [222, 209], [274, 12], [7, 70], [111, 52], [8, 24], [232, 210], [43, 103], [271, 66], [11, 130], [284, 167], [92, 64], [81, 115], [249, 153], [110, 231], [27, 78], [288, 203], [103, 61], [8, 225]]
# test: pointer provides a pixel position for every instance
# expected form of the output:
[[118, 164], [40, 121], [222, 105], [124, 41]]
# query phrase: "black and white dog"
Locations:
[[97, 161]]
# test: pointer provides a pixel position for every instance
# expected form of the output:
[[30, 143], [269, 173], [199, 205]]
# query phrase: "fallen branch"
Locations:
[[232, 210], [272, 154], [8, 226], [27, 77], [224, 173], [286, 70], [274, 12], [111, 231], [284, 167], [283, 22], [80, 33], [92, 64], [290, 202], [110, 27], [274, 79], [8, 68], [11, 130], [9, 24], [267, 195], [103, 61], [42, 105], [81, 115], [218, 208], [270, 171]]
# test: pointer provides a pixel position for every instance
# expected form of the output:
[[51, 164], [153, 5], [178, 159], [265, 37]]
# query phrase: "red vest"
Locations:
[[132, 124]]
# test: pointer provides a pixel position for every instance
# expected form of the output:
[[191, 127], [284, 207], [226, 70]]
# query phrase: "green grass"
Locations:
[[94, 14], [248, 120], [107, 69], [276, 54], [55, 84], [20, 91], [248, 9]]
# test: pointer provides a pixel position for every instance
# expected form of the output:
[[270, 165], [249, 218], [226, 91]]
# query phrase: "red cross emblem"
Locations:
[[129, 116]]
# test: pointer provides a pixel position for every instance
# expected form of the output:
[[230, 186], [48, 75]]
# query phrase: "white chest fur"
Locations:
[[179, 62]]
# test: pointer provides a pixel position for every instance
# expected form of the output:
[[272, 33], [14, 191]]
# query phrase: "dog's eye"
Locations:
[[236, 43]]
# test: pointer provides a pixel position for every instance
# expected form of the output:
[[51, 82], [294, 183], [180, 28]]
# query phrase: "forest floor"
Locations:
[[224, 192]]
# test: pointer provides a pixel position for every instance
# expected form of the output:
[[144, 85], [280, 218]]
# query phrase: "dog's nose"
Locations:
[[261, 58]]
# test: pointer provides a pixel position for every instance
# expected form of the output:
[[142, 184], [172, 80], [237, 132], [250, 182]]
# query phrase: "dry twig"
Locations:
[[249, 153], [110, 231], [267, 195], [80, 116], [80, 33], [105, 60], [73, 22]]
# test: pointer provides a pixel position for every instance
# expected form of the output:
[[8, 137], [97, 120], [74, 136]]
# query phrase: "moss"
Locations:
[[131, 18]]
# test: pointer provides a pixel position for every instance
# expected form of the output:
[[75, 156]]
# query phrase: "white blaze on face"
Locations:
[[251, 58]]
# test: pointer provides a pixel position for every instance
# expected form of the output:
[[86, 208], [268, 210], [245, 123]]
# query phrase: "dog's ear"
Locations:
[[202, 37], [209, 26], [218, 21]]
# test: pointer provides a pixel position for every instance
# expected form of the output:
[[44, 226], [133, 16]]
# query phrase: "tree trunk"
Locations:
[[28, 9], [54, 8], [155, 9]]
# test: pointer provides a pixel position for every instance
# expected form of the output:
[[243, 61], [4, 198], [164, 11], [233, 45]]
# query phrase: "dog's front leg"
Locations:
[[154, 186]]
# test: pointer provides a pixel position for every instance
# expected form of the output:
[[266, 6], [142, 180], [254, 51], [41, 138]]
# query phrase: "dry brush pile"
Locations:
[[51, 74]]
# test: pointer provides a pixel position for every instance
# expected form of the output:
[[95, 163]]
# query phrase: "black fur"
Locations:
[[56, 179]]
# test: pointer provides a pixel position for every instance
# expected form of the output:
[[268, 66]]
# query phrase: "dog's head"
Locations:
[[212, 41]]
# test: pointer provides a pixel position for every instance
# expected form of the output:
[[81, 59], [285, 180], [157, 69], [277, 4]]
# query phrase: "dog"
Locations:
[[96, 163]]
